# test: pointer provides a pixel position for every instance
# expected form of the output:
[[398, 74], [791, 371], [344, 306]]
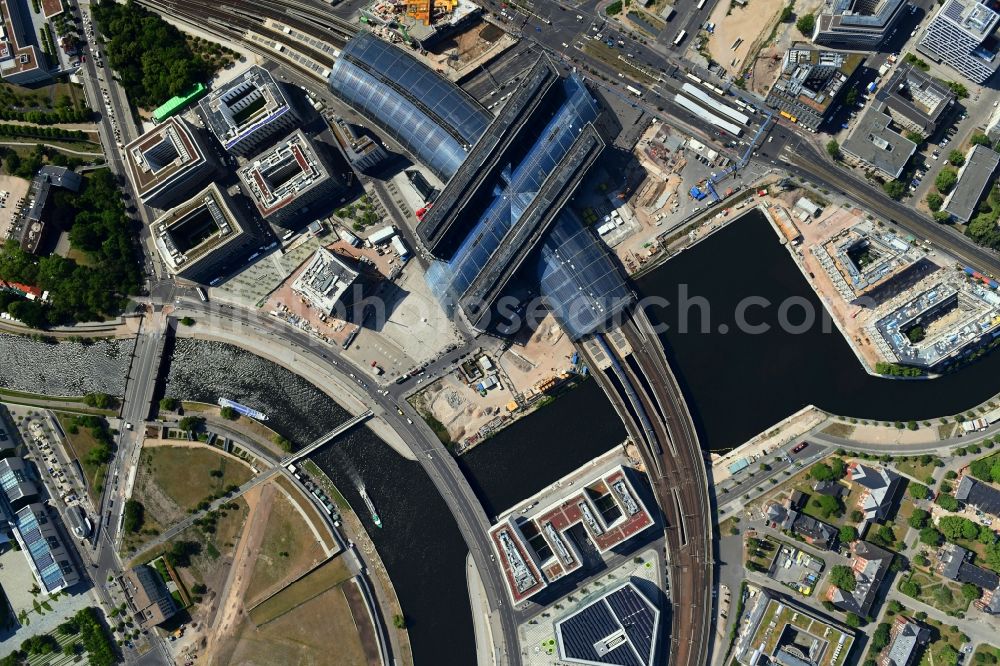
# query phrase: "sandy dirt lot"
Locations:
[[16, 188], [231, 612], [751, 23]]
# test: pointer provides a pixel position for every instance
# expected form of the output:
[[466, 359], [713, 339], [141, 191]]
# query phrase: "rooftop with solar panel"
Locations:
[[617, 628]]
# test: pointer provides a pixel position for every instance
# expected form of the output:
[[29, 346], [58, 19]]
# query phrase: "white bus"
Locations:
[[634, 91], [693, 77], [201, 294], [680, 36], [701, 3]]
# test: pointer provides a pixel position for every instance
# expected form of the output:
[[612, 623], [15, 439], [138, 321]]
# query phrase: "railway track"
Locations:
[[676, 469]]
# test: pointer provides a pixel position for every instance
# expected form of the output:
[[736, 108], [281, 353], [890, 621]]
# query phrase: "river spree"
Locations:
[[419, 543], [739, 384]]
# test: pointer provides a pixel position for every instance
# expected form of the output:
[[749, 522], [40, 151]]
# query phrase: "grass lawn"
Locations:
[[309, 509], [305, 635], [932, 592], [839, 430], [287, 549], [320, 580], [915, 470], [986, 650], [183, 473], [80, 445]]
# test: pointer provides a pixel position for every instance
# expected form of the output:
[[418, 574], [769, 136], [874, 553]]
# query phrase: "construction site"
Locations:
[[900, 303], [487, 393]]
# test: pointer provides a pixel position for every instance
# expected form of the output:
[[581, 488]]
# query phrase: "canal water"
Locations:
[[68, 368]]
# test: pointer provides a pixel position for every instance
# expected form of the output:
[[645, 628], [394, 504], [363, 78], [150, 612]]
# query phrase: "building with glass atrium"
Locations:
[[431, 118], [508, 180]]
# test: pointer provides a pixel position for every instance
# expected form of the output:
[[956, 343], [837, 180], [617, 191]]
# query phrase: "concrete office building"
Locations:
[[35, 224], [362, 152], [809, 82], [288, 178], [868, 266], [974, 177], [21, 61], [248, 112], [147, 596], [168, 163], [914, 100], [858, 24], [874, 144], [961, 36], [324, 281], [618, 628], [203, 237]]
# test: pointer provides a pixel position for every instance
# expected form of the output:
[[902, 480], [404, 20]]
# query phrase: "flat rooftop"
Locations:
[[161, 154], [814, 76], [276, 178], [535, 547], [874, 142], [15, 57], [324, 280], [790, 633], [247, 102], [973, 179], [916, 95], [618, 629], [195, 228]]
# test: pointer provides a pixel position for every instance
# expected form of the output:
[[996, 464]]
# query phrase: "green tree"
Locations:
[[168, 404], [919, 519], [806, 24], [229, 413], [981, 140], [934, 201], [842, 577], [946, 180], [970, 592], [959, 89], [910, 588], [956, 158], [894, 188], [190, 423], [915, 137], [930, 536], [135, 516], [187, 321], [848, 534], [833, 148], [828, 505], [956, 527], [881, 637], [854, 620], [98, 400], [786, 13], [948, 502], [941, 216], [399, 621], [821, 472]]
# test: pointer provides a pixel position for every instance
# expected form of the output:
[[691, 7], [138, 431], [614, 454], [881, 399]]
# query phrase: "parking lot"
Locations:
[[12, 193], [796, 569]]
